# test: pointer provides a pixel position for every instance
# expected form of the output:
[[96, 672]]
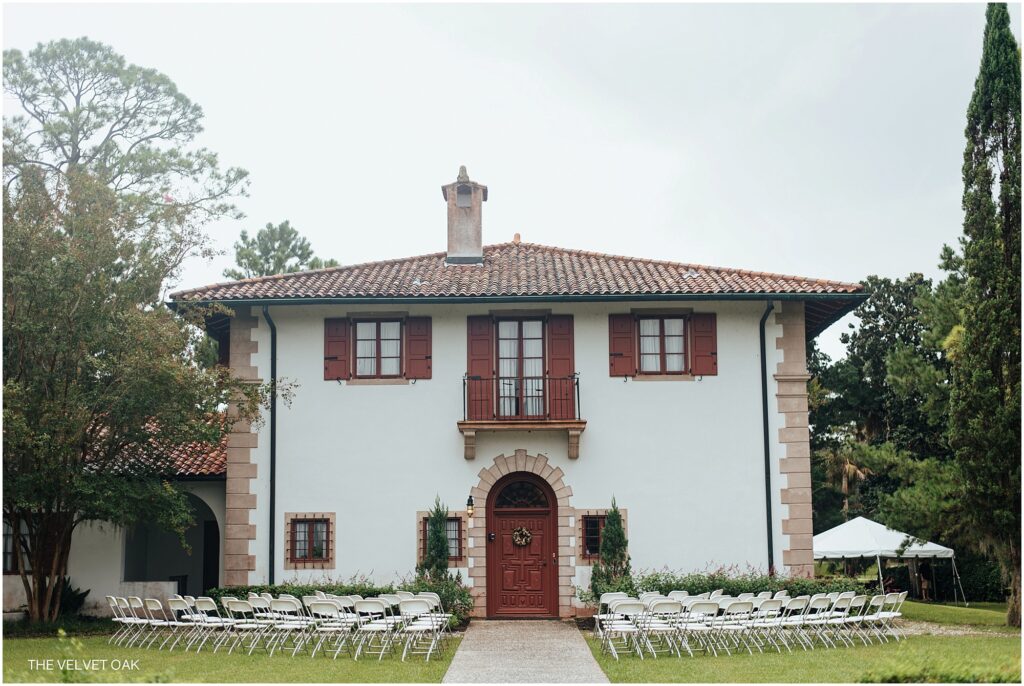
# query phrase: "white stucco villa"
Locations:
[[533, 382]]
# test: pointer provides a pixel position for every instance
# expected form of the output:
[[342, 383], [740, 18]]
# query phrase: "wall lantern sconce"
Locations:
[[469, 507]]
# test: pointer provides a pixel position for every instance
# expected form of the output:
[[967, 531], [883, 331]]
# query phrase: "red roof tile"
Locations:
[[201, 459], [514, 269]]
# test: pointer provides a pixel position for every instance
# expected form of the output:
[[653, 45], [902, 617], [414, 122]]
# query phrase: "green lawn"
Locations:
[[919, 658], [989, 615], [208, 667]]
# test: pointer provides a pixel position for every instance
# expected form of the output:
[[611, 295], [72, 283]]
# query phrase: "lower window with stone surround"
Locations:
[[458, 543], [589, 529], [309, 539]]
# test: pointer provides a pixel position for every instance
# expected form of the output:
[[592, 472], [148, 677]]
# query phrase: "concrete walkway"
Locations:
[[525, 651]]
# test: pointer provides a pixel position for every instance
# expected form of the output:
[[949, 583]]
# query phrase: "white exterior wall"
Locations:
[[685, 458], [96, 560]]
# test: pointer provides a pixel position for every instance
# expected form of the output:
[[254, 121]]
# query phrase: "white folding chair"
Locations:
[[733, 626], [659, 626], [243, 625], [374, 633], [696, 622], [420, 626], [623, 633], [331, 625]]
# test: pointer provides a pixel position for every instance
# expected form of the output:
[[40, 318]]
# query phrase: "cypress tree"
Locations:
[[435, 559], [614, 546], [985, 428]]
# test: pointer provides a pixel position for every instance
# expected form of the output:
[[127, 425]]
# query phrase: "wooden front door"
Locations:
[[522, 579]]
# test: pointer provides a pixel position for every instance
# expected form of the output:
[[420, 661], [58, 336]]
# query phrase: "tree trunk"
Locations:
[[1013, 602], [49, 544], [846, 495]]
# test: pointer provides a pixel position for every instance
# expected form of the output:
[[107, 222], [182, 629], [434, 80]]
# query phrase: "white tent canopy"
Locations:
[[862, 537]]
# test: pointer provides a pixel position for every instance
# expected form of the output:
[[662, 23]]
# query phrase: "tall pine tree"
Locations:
[[985, 419]]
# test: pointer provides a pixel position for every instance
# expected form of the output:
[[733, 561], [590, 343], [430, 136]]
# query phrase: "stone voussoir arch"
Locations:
[[537, 464]]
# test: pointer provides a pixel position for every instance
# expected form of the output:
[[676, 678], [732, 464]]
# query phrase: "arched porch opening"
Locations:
[[153, 554]]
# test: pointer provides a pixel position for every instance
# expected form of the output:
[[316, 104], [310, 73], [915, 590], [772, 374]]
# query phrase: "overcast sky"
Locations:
[[824, 141]]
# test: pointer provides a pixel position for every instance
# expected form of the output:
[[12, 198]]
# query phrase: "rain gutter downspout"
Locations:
[[767, 443], [273, 436]]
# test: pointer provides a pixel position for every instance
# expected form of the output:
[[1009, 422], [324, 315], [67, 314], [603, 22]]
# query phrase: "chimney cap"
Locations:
[[515, 238], [463, 179]]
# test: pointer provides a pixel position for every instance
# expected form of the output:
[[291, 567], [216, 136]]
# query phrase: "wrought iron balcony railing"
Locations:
[[536, 398]]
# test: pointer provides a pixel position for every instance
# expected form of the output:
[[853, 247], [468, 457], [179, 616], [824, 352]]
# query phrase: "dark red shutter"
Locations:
[[621, 345], [480, 368], [705, 345], [561, 367], [336, 347], [417, 348]]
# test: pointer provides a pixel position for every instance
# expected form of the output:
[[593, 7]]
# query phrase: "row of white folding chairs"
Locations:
[[143, 622], [362, 626], [282, 622], [660, 624]]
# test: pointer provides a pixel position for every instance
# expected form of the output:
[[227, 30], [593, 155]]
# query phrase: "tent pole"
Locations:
[[956, 578], [881, 581]]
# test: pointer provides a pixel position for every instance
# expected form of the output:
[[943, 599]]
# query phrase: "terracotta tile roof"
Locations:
[[514, 269], [201, 459]]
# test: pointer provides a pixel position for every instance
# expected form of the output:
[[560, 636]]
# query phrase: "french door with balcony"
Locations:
[[521, 368]]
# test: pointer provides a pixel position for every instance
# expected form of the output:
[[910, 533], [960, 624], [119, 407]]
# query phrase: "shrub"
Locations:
[[71, 599], [455, 596], [729, 580]]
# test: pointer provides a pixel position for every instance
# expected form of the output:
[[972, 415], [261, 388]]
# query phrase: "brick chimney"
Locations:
[[465, 199]]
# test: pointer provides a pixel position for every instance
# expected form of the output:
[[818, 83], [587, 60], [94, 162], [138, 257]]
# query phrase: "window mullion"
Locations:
[[377, 330], [661, 345], [521, 384]]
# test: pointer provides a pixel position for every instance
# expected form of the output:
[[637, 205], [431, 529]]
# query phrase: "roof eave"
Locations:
[[830, 307], [567, 297]]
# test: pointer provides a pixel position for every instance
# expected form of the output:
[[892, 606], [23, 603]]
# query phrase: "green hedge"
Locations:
[[731, 583], [455, 596]]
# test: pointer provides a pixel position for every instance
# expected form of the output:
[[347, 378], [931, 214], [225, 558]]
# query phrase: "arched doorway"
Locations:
[[522, 548], [153, 554]]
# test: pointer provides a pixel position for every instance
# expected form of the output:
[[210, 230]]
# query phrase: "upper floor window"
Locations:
[[662, 345], [521, 368], [378, 349], [684, 344]]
